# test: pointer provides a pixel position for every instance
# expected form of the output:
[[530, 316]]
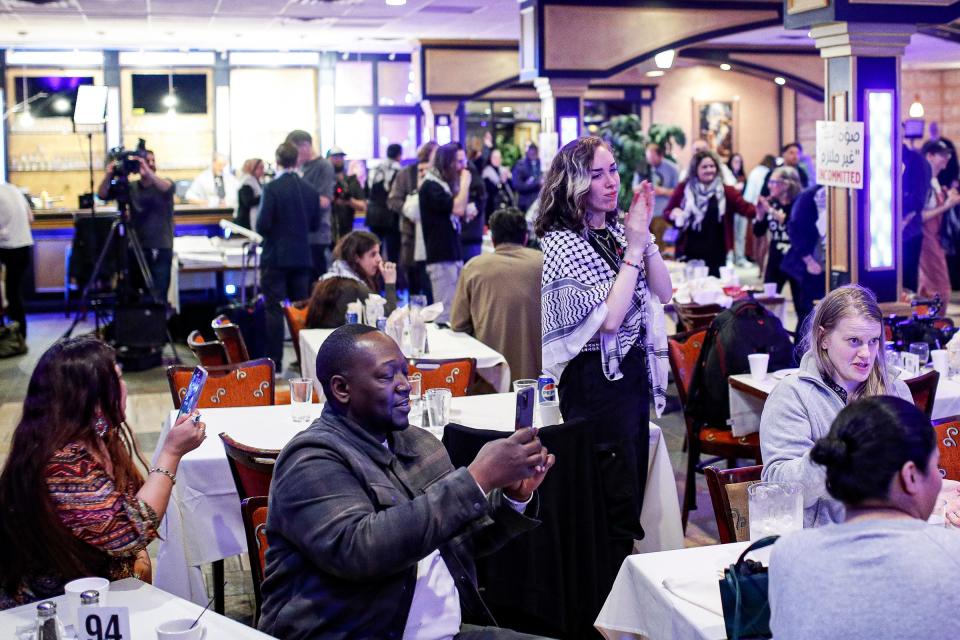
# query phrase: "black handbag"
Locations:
[[743, 594]]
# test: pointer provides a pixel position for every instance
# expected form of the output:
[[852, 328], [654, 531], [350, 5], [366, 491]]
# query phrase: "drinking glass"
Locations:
[[438, 406], [520, 385], [922, 350], [418, 337], [418, 301], [416, 402], [775, 508], [301, 397]]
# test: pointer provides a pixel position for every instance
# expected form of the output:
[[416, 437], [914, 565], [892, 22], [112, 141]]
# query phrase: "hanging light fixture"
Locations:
[[170, 101], [916, 109]]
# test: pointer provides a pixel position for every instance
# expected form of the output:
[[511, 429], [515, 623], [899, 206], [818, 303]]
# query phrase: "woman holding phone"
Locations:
[[603, 334], [72, 501]]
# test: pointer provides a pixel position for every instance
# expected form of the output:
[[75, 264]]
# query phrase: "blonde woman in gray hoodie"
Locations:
[[843, 361]]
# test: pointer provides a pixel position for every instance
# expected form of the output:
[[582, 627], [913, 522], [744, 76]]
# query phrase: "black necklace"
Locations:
[[606, 245]]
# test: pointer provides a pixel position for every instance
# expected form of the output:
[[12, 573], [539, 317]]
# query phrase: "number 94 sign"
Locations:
[[103, 623]]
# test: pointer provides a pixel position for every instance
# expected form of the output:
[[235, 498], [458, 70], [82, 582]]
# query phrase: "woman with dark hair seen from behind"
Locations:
[[603, 334], [72, 501], [845, 581], [444, 196], [357, 271], [702, 207], [248, 197], [840, 364]]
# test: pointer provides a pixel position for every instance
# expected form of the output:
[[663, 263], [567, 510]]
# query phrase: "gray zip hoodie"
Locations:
[[798, 412]]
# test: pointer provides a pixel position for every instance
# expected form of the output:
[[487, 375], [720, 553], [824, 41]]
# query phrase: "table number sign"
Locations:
[[103, 623]]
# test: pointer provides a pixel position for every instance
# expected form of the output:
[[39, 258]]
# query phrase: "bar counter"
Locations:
[[183, 214]]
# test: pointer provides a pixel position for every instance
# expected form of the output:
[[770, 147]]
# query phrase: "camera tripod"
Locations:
[[125, 236]]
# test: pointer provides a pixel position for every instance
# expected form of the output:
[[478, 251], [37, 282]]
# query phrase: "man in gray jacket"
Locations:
[[371, 530], [318, 173]]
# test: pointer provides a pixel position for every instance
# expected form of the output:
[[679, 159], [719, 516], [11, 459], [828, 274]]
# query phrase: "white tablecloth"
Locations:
[[745, 409], [442, 343], [640, 606], [203, 524], [149, 607]]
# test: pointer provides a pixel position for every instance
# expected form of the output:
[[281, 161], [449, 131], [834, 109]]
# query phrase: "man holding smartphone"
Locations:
[[370, 527]]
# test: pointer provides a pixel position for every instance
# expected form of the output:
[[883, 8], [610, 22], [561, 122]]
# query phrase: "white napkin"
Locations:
[[705, 593], [357, 308], [431, 313]]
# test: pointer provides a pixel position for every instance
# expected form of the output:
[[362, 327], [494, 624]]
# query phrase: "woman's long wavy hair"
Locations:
[[563, 198], [74, 382], [848, 301], [351, 248]]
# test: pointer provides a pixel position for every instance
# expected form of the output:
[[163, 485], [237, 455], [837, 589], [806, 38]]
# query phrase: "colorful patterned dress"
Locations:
[[92, 508]]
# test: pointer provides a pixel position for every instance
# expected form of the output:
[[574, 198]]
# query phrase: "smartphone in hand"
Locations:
[[192, 397], [526, 401]]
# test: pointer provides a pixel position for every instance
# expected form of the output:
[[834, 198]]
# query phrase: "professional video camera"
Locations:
[[125, 161], [931, 328]]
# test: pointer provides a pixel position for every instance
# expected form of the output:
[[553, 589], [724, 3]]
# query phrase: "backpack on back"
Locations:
[[746, 328], [378, 214]]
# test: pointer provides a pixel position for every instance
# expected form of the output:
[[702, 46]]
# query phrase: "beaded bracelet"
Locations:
[[172, 477], [630, 264]]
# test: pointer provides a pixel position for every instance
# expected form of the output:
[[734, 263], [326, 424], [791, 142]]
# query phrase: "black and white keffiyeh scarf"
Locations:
[[576, 281], [696, 200]]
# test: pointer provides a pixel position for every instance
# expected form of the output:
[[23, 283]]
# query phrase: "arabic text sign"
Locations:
[[840, 154]]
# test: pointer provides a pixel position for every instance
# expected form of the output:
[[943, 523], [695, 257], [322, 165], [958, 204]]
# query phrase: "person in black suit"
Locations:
[[289, 210]]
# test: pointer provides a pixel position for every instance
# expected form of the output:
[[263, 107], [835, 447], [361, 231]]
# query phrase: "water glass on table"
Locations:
[[921, 350], [775, 508], [438, 407], [415, 417], [418, 301], [418, 336], [520, 385], [301, 397]]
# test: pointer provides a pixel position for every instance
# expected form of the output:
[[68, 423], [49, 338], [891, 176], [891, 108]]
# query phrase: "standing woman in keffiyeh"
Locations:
[[702, 207], [603, 333]]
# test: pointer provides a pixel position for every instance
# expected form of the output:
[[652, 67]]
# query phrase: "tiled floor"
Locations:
[[149, 402]]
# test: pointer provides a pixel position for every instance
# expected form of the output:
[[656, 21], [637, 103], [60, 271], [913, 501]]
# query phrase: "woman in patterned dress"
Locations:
[[603, 335], [72, 501]]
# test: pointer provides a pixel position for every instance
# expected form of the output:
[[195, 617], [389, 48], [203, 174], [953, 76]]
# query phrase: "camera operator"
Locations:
[[151, 216], [348, 196]]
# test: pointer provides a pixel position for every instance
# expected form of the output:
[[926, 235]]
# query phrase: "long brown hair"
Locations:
[[74, 382], [563, 198], [446, 165], [848, 301], [351, 248]]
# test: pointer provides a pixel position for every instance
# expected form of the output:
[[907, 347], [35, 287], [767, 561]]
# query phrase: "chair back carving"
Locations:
[[231, 337], [923, 388], [295, 314], [456, 375], [209, 353], [684, 351], [728, 493], [246, 384], [252, 468], [254, 514], [948, 441]]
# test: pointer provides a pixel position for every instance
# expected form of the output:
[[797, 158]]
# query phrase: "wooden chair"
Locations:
[[209, 353], [697, 316], [229, 334], [296, 315], [253, 511], [456, 375], [710, 439], [247, 384], [923, 388], [252, 470], [728, 493], [948, 441]]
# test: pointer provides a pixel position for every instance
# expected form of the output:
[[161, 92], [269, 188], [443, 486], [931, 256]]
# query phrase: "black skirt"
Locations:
[[621, 407]]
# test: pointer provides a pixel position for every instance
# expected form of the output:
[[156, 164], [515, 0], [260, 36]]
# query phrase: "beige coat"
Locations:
[[498, 302]]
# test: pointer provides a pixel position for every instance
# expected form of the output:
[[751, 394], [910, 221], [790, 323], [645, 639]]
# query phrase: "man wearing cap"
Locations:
[[348, 196]]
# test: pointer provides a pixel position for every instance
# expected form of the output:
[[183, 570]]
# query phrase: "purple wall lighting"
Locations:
[[881, 210]]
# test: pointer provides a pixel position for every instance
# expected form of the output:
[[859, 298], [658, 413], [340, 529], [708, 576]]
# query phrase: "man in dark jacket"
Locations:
[[371, 530], [289, 211], [318, 173], [527, 177]]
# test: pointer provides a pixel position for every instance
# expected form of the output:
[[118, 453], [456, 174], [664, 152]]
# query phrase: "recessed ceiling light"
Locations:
[[725, 67], [656, 73], [780, 81], [396, 3]]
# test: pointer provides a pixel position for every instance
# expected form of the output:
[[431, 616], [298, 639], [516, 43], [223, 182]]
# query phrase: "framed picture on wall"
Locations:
[[717, 122]]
